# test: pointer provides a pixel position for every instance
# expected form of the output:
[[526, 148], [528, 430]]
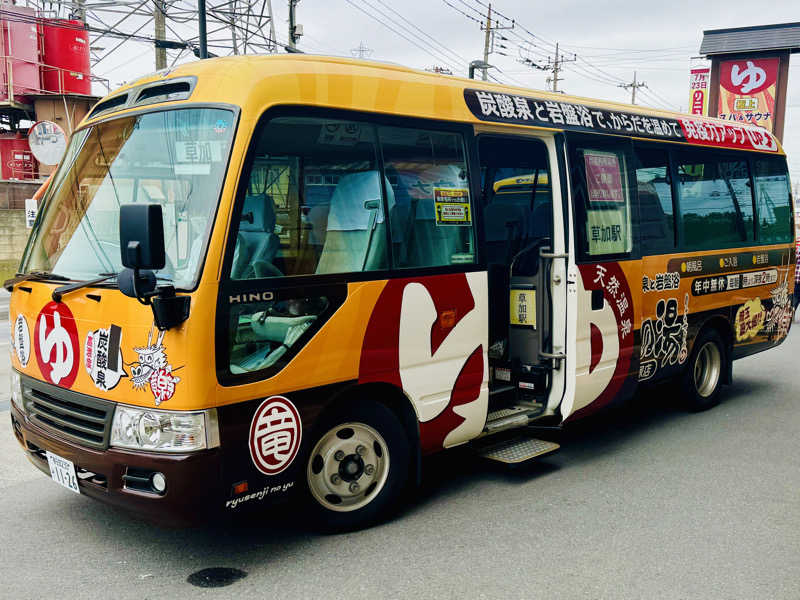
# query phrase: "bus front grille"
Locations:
[[69, 415]]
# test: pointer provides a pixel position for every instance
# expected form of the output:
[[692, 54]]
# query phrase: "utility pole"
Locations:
[[295, 31], [201, 28], [159, 19], [634, 86], [486, 39], [556, 66]]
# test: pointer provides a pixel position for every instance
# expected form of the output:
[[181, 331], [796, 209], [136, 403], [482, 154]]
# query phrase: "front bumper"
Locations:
[[113, 475]]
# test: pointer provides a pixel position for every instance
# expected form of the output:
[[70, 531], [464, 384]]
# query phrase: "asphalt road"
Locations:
[[646, 502]]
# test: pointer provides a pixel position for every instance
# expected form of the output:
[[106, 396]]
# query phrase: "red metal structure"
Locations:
[[17, 159], [19, 67], [65, 57]]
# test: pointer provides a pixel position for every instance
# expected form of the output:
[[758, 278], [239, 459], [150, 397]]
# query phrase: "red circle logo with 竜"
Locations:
[[55, 340], [275, 434]]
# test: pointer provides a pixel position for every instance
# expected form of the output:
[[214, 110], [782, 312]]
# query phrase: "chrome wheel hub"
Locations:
[[707, 369], [348, 467]]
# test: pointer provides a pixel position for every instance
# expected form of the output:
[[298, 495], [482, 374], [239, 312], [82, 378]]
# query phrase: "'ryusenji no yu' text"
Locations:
[[563, 113]]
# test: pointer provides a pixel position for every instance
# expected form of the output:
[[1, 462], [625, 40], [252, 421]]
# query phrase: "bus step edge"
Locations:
[[517, 450]]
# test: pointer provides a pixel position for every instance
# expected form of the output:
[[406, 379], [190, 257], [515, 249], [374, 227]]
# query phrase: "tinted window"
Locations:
[[773, 200], [602, 199], [656, 215], [431, 211], [518, 199], [314, 201], [715, 200]]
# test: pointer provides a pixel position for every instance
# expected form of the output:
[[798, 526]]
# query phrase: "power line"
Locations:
[[461, 11], [393, 30], [633, 49], [420, 42], [588, 69], [480, 14], [434, 40]]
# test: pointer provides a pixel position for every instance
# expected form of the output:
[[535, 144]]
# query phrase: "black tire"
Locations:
[[705, 371], [366, 425]]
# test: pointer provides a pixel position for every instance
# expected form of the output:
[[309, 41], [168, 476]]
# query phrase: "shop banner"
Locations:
[[747, 91], [698, 91]]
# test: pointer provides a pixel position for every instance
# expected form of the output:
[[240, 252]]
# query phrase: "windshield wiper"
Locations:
[[66, 289], [46, 275], [35, 275]]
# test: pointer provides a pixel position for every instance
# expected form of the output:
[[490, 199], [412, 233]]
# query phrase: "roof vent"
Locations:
[[164, 92], [109, 104]]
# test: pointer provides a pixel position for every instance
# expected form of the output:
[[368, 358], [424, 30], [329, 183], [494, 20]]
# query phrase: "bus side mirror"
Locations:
[[141, 245], [135, 283], [141, 236]]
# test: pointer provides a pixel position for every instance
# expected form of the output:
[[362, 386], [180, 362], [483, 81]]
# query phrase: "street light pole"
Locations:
[[478, 64]]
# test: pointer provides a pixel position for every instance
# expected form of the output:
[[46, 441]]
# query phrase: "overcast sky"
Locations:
[[611, 39]]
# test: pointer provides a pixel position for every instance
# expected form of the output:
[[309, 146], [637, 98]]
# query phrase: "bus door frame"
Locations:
[[564, 272]]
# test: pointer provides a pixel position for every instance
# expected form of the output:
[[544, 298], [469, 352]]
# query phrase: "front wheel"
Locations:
[[358, 467], [701, 382]]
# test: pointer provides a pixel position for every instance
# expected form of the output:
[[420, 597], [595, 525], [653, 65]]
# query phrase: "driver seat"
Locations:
[[257, 244]]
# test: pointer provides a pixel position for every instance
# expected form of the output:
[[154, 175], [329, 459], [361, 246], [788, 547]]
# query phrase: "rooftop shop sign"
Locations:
[[747, 91], [499, 107]]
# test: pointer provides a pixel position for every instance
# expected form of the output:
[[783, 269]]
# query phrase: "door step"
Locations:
[[511, 417], [517, 450]]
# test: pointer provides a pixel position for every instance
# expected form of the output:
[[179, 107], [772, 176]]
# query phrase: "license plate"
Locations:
[[63, 472]]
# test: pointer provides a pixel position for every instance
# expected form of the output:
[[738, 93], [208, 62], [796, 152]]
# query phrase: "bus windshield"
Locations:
[[175, 158]]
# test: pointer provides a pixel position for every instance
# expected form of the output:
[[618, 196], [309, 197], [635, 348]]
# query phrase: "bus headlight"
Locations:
[[164, 430], [16, 391]]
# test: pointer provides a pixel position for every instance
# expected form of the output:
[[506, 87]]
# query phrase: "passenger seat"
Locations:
[[356, 210]]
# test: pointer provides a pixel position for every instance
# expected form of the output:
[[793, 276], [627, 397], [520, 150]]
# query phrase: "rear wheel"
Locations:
[[357, 468], [703, 377]]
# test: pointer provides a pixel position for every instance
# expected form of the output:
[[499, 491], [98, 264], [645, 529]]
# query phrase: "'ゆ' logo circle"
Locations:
[[55, 339], [275, 434]]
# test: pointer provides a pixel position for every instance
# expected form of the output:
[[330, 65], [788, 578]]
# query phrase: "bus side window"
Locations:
[[656, 214], [715, 200], [773, 200], [313, 205], [600, 177], [314, 201], [431, 213]]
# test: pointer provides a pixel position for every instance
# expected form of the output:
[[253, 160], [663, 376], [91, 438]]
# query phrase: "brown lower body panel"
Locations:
[[193, 480]]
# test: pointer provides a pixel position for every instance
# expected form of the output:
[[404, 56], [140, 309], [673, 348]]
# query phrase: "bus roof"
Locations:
[[256, 83]]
